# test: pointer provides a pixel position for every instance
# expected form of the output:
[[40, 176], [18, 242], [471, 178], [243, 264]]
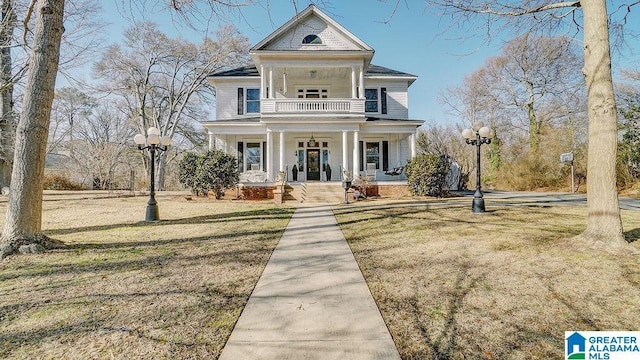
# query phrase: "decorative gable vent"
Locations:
[[312, 39]]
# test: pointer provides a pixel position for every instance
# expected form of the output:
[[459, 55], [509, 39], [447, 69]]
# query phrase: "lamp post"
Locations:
[[154, 143], [478, 135]]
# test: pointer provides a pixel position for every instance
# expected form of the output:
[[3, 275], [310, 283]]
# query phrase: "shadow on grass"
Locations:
[[147, 261], [272, 213], [41, 335], [214, 298], [632, 235]]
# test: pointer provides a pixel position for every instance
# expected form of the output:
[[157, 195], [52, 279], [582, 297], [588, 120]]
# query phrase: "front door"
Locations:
[[313, 164]]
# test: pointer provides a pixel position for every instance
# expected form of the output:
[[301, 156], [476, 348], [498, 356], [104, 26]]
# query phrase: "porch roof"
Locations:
[[252, 70], [394, 121]]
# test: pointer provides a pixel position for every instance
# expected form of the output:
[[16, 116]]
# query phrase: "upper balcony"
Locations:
[[312, 106]]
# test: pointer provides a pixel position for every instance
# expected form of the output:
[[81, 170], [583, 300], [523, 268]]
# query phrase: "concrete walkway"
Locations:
[[311, 301]]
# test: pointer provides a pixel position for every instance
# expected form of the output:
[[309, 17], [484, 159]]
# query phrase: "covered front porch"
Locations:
[[305, 155]]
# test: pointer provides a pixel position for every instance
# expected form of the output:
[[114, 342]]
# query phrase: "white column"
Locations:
[[353, 82], [263, 87], [212, 141], [281, 165], [398, 150], [345, 152], [413, 145], [271, 82], [361, 83], [356, 155], [269, 150]]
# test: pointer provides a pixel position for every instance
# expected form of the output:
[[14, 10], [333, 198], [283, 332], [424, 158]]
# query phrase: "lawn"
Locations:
[[450, 285], [501, 285], [125, 289]]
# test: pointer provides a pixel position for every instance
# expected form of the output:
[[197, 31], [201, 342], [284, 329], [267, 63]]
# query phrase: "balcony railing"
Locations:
[[312, 106]]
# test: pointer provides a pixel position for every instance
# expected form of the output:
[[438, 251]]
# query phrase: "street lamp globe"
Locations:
[[485, 132], [165, 140], [139, 139], [467, 133]]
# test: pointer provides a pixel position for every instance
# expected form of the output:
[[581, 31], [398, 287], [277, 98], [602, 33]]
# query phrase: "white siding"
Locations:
[[227, 98], [397, 97], [331, 39]]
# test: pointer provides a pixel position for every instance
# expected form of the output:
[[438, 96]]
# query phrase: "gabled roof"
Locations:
[[311, 10]]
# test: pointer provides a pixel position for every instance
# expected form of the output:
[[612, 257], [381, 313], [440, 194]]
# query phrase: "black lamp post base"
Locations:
[[153, 214], [478, 205]]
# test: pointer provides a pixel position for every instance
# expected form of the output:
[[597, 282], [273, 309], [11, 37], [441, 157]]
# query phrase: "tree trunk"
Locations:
[[24, 212], [6, 96], [161, 165], [604, 228]]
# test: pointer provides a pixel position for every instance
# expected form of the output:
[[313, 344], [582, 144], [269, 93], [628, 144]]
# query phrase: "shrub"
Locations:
[[58, 182], [187, 169], [212, 171], [427, 175]]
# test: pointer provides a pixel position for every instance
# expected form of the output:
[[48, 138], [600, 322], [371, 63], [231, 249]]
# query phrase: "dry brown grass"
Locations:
[[501, 285], [125, 289]]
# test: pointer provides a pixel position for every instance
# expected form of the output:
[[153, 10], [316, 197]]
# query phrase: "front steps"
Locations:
[[330, 192]]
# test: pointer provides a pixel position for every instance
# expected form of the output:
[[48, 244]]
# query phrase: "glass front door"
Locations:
[[313, 164]]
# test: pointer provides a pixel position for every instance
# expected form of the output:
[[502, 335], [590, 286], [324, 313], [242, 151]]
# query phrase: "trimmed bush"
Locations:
[[212, 171], [427, 175]]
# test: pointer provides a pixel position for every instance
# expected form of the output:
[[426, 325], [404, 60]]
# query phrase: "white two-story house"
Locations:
[[313, 101]]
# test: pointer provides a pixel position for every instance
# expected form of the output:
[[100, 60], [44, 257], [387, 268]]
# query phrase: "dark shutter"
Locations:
[[385, 155], [360, 152], [240, 101], [383, 99], [240, 155], [264, 156]]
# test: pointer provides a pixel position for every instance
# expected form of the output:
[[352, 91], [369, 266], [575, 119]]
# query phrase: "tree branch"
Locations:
[[487, 9]]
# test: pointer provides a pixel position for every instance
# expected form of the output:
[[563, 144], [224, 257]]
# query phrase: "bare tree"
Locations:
[[164, 81], [102, 144], [24, 211], [604, 225], [7, 26], [69, 106], [528, 78]]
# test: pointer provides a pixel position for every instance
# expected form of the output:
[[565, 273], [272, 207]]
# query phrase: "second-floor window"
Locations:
[[375, 100], [313, 93], [248, 99]]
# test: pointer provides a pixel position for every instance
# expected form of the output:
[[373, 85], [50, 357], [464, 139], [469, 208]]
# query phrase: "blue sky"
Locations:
[[413, 41]]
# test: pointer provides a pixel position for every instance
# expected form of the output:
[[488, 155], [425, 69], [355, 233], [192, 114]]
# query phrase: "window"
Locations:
[[252, 156], [373, 153], [313, 93], [252, 101], [371, 102], [312, 39], [376, 101]]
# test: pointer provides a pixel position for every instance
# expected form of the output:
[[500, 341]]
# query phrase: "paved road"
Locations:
[[549, 198]]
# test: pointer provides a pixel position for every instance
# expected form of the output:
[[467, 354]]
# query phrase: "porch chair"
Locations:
[[371, 171], [395, 171]]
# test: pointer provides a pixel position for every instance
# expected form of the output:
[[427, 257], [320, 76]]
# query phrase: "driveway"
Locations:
[[548, 198]]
